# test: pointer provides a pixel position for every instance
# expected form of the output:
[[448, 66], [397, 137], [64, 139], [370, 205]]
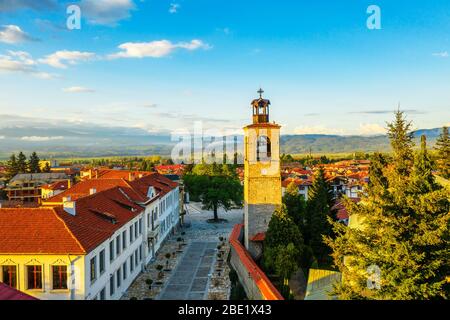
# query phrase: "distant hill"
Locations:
[[297, 144], [70, 140]]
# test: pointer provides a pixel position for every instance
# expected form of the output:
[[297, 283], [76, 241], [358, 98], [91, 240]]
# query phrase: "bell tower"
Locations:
[[262, 179]]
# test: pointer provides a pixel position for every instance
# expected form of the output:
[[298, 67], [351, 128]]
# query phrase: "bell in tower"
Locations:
[[262, 178]]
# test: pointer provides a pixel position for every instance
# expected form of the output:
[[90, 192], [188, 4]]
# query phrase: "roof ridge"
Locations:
[[68, 229]]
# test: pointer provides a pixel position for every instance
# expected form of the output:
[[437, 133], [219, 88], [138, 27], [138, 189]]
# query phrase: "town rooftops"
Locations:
[[94, 219], [136, 190], [84, 188], [58, 185]]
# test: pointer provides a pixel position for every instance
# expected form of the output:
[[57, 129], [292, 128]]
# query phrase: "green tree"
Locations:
[[47, 168], [295, 205], [318, 210], [443, 149], [286, 264], [209, 184], [11, 167], [22, 163], [401, 226], [33, 163], [281, 231]]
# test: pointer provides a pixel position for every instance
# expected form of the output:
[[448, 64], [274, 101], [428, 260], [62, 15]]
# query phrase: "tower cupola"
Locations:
[[260, 109]]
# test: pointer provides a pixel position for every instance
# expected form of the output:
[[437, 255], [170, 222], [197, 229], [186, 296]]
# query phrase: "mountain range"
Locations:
[[62, 139]]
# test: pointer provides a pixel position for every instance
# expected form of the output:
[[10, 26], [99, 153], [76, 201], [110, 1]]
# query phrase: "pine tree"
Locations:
[[11, 167], [295, 205], [400, 228], [281, 232], [22, 163], [443, 149], [33, 163], [318, 209]]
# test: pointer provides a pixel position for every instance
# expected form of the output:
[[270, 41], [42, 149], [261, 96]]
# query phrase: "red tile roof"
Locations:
[[82, 189], [35, 231], [8, 293], [259, 237], [118, 174], [59, 185], [265, 286], [92, 223], [54, 231]]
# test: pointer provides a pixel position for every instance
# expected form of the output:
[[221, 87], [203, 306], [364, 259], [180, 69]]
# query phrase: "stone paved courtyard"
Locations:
[[190, 279], [198, 270]]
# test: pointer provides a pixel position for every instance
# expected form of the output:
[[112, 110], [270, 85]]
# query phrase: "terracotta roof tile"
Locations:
[[35, 230]]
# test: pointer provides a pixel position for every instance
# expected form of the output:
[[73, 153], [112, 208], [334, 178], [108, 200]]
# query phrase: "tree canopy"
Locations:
[[400, 227]]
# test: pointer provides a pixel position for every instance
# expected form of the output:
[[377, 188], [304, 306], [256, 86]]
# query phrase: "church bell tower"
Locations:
[[262, 179]]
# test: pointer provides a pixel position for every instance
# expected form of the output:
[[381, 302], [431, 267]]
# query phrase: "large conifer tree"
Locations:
[[401, 228], [33, 163], [318, 209], [22, 165], [443, 148]]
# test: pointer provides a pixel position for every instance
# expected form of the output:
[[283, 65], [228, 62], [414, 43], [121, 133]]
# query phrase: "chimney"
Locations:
[[131, 176], [69, 206], [69, 184], [92, 191]]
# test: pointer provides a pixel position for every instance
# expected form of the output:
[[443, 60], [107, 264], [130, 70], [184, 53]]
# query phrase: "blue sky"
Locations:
[[182, 61]]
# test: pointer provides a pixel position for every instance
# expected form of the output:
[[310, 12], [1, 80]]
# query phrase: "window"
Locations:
[[111, 250], [59, 276], [136, 230], [140, 226], [124, 240], [34, 277], [103, 294], [131, 234], [102, 261], [111, 286], [131, 264], [9, 276], [263, 149], [93, 269], [140, 253], [118, 245], [136, 258], [124, 270], [119, 277]]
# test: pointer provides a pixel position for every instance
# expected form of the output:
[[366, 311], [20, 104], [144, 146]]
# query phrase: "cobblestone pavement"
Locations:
[[190, 279], [189, 276]]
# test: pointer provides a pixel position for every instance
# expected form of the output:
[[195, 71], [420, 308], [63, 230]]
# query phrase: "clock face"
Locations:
[[264, 172]]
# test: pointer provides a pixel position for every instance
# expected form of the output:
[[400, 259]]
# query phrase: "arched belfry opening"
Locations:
[[263, 149]]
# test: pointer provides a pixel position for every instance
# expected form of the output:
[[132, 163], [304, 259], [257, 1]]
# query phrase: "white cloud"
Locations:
[[39, 138], [443, 54], [77, 90], [17, 61], [371, 129], [41, 5], [317, 130], [60, 59], [106, 12], [155, 49], [21, 61], [174, 8], [2, 137], [12, 34]]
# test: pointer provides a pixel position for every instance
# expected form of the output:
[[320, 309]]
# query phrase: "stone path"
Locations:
[[190, 280]]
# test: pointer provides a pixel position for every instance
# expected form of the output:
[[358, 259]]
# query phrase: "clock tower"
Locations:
[[262, 179]]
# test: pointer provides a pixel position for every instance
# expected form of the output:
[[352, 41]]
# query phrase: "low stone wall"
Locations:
[[256, 284]]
